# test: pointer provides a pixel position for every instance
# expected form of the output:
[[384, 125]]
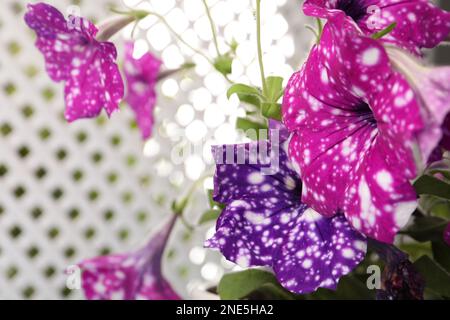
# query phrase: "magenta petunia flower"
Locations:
[[264, 223], [141, 75], [432, 87], [420, 24], [447, 234], [73, 55], [130, 276], [354, 120]]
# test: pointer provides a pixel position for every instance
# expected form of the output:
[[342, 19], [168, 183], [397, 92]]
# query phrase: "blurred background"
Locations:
[[71, 192]]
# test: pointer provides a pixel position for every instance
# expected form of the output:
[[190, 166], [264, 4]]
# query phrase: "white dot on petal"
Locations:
[[348, 253], [255, 178], [384, 180], [307, 264], [243, 261], [371, 57]]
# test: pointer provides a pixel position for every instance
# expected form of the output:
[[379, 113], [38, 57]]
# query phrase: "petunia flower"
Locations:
[[141, 76], [130, 276], [419, 23], [431, 86], [74, 55], [354, 120], [264, 223], [447, 234]]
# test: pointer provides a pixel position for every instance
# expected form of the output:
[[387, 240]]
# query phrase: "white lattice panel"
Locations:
[[69, 192]]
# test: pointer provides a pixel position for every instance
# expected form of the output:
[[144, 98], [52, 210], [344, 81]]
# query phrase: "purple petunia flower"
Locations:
[[73, 55], [354, 120], [130, 276], [264, 223], [447, 234], [432, 88], [419, 23], [141, 75]]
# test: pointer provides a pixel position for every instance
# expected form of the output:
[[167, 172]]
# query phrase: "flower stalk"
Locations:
[[258, 39], [213, 27]]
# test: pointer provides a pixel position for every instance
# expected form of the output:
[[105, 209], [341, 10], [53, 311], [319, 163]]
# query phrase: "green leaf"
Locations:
[[243, 89], [436, 278], [209, 215], [238, 285], [416, 249], [441, 253], [223, 64], [250, 99], [426, 229], [270, 291], [427, 184], [271, 110], [349, 288], [210, 198], [248, 125], [274, 88]]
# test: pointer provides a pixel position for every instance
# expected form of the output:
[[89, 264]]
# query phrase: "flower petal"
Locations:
[[260, 208], [317, 252], [106, 278], [53, 39], [264, 223], [251, 230], [95, 84], [420, 24], [257, 168], [141, 75], [136, 275], [59, 41]]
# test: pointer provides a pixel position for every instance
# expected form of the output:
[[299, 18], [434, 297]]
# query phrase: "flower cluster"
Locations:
[[365, 117], [361, 120]]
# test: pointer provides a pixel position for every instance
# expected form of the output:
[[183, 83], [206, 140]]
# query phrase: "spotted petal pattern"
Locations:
[[73, 55], [354, 120], [420, 24], [130, 276], [141, 75], [265, 224]]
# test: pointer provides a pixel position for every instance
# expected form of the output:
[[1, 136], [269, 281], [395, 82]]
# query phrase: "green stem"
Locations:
[[186, 224], [140, 14], [213, 27], [320, 29], [258, 37], [163, 20], [180, 206], [167, 73], [382, 33]]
